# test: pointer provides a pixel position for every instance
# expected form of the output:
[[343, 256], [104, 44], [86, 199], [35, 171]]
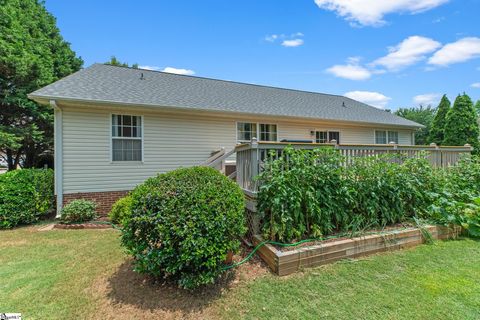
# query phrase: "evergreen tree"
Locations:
[[32, 55], [438, 125], [461, 125]]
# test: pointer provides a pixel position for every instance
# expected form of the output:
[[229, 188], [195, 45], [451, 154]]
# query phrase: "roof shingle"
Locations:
[[105, 83]]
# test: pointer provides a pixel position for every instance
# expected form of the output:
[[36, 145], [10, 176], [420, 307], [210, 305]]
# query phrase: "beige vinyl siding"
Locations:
[[170, 140]]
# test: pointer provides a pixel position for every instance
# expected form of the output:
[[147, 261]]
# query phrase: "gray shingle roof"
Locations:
[[104, 83]]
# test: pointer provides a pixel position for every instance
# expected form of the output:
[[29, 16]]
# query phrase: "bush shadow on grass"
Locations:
[[128, 287]]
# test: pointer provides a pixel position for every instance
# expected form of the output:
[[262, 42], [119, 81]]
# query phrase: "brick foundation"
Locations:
[[104, 200]]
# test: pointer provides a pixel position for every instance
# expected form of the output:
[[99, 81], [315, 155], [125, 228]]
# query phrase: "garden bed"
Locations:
[[287, 262]]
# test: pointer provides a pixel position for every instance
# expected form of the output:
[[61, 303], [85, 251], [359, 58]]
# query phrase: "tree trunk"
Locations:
[[10, 160]]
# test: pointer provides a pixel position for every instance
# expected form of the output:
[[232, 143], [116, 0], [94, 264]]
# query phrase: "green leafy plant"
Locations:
[[25, 196], [121, 210], [79, 210], [183, 224], [305, 193]]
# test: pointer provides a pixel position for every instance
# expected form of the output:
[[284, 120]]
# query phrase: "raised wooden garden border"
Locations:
[[287, 262], [86, 225]]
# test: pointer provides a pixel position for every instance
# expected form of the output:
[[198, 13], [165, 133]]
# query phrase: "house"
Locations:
[[117, 126]]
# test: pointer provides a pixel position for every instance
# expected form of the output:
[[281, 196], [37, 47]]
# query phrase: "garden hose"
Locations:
[[280, 244], [276, 243]]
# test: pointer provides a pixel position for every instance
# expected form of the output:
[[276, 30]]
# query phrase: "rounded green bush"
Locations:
[[79, 210], [121, 210], [25, 196], [183, 224]]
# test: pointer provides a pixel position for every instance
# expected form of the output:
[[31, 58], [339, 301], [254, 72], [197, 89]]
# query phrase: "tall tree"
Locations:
[[438, 124], [115, 62], [32, 54], [461, 126], [422, 115], [477, 107]]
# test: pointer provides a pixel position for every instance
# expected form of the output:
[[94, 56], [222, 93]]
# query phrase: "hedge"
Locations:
[[25, 196]]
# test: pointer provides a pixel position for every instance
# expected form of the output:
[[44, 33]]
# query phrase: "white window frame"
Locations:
[[328, 134], [257, 124], [387, 136], [141, 138]]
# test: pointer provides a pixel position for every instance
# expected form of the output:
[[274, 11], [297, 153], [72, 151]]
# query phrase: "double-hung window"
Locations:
[[126, 138], [246, 131], [385, 137], [268, 132], [327, 136]]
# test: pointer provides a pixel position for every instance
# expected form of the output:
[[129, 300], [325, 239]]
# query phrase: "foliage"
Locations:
[[121, 210], [422, 115], [461, 125], [438, 124], [477, 107], [115, 62], [458, 200], [32, 55], [388, 190], [79, 210], [311, 194], [25, 196], [183, 224], [305, 194], [448, 211]]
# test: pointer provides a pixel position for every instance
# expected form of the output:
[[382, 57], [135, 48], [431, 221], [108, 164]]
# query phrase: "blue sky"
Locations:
[[389, 53]]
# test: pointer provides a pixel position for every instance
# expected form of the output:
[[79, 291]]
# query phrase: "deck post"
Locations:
[[254, 163]]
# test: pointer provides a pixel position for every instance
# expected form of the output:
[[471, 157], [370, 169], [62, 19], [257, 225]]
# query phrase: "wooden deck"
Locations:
[[250, 156]]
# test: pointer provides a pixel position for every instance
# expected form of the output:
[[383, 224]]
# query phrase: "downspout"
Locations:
[[58, 154]]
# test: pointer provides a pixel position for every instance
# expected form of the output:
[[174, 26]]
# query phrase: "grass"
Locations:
[[78, 274]]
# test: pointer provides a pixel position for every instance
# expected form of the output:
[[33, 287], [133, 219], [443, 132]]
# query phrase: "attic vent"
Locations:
[[141, 76]]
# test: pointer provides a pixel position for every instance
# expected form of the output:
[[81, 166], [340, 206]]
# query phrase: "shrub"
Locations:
[[79, 210], [25, 196], [121, 210], [183, 224]]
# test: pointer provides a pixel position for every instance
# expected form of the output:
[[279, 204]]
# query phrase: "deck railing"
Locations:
[[250, 156]]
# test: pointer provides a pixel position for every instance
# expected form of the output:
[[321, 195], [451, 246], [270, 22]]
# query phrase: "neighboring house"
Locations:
[[117, 126]]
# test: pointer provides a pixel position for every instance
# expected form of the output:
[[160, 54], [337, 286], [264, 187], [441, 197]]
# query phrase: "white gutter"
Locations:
[[58, 154]]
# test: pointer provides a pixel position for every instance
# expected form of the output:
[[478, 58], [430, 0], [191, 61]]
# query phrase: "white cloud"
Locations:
[[455, 52], [154, 68], [371, 12], [408, 52], [375, 99], [187, 72], [427, 99], [292, 40], [271, 37], [475, 85], [352, 70], [292, 43]]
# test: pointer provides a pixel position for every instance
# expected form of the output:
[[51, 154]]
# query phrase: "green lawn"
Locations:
[[77, 274]]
